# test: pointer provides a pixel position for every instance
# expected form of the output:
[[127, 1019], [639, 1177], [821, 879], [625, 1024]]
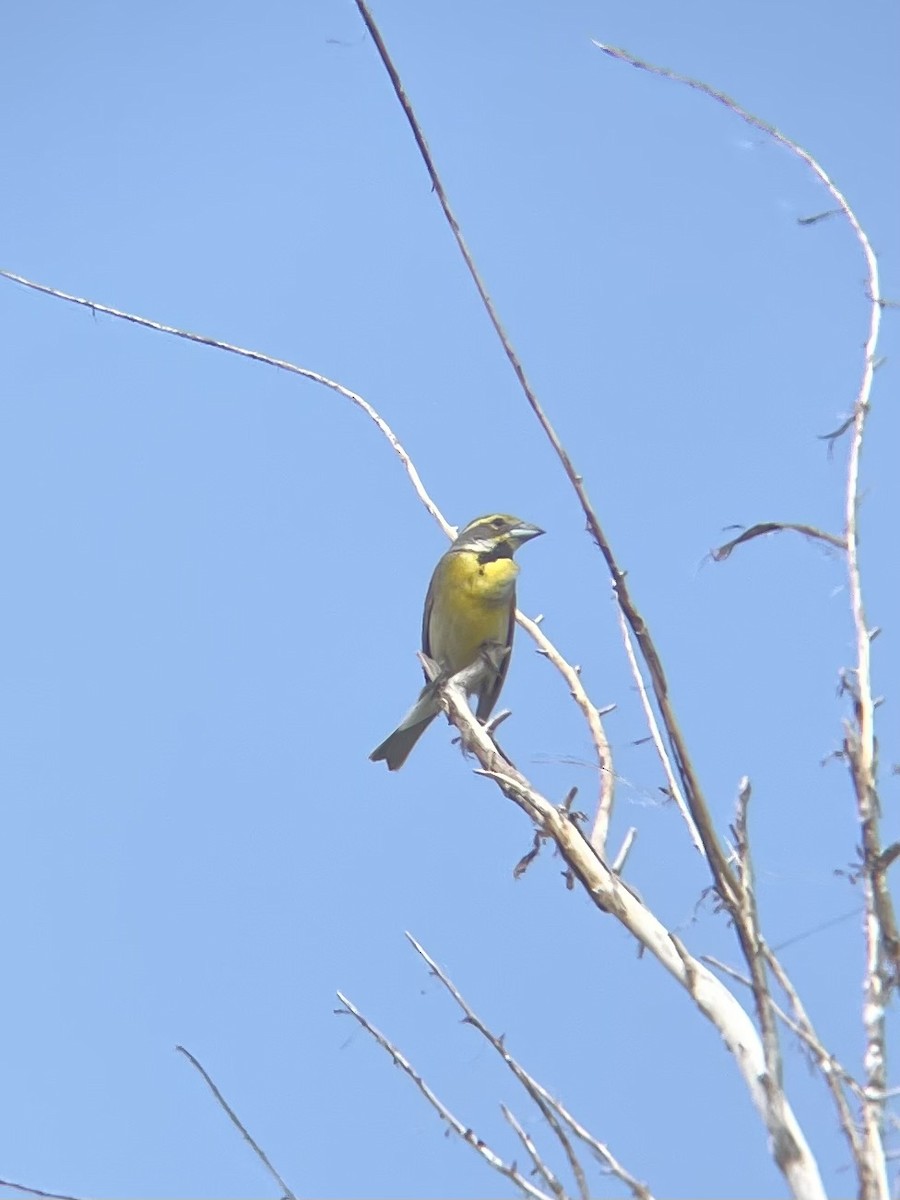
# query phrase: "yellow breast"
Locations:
[[471, 603]]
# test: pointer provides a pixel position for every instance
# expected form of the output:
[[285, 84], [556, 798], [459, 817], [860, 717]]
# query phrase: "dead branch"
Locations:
[[540, 1167], [592, 716], [238, 1124], [509, 1170], [33, 1191], [652, 724], [548, 1105], [882, 945], [610, 895]]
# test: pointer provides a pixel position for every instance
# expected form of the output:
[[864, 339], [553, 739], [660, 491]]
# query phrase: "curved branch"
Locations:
[[545, 646], [765, 527]]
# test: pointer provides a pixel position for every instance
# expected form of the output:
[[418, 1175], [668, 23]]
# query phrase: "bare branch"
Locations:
[[650, 717], [281, 364], [539, 1094], [236, 1121], [802, 1029], [601, 744], [509, 1170], [624, 850], [611, 895], [693, 792], [832, 1071], [751, 944], [571, 676], [835, 1075], [592, 716], [540, 1167], [755, 531], [33, 1191], [882, 943]]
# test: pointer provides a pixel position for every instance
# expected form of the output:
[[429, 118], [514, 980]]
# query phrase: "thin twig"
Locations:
[[33, 1191], [540, 1167], [509, 1170], [280, 364], [236, 1121], [802, 1029], [674, 789], [600, 828], [751, 943], [831, 1070]]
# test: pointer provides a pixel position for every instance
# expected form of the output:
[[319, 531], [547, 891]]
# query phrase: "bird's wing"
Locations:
[[488, 695]]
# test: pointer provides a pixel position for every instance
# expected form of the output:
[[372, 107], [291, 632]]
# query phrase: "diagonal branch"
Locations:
[[509, 1170], [236, 1121], [33, 1191], [800, 1025], [548, 1106], [653, 725], [610, 895], [572, 676], [540, 1167], [694, 796], [759, 983], [280, 364]]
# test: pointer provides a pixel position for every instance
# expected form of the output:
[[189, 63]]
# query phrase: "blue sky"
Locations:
[[214, 571]]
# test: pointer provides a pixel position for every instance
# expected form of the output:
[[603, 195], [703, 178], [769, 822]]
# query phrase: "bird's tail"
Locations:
[[396, 747]]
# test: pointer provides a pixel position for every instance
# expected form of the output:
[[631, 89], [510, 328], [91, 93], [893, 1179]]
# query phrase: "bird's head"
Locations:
[[497, 534]]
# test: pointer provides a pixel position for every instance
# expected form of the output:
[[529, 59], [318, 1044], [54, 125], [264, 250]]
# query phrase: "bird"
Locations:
[[470, 610]]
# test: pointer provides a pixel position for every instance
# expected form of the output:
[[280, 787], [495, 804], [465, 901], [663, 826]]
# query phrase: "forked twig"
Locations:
[[549, 1106], [462, 1131], [540, 1167]]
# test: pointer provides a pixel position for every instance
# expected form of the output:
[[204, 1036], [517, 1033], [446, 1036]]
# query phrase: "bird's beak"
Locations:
[[524, 532]]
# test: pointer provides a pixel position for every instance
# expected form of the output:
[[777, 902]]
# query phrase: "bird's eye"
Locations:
[[497, 522]]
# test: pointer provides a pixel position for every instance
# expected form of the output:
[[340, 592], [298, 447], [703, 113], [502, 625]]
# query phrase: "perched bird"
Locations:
[[470, 607]]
